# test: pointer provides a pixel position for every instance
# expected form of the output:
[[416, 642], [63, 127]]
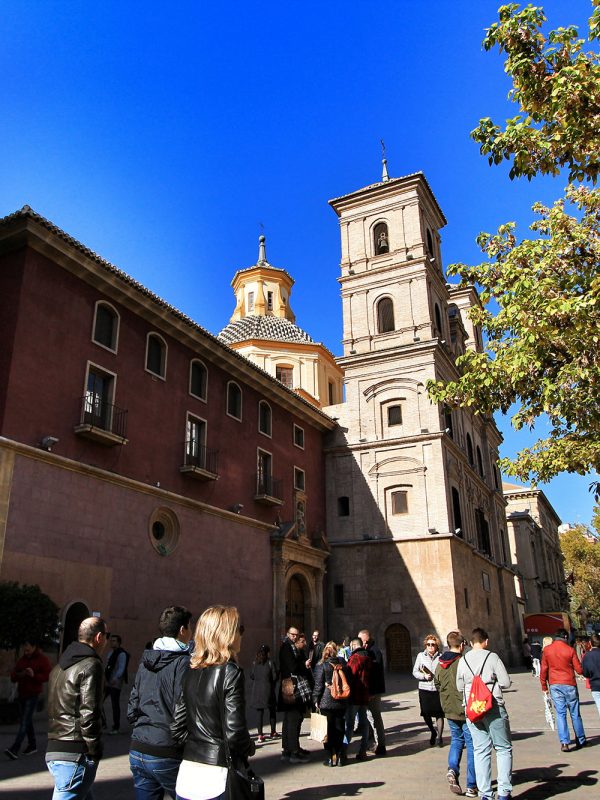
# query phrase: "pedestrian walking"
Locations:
[[560, 667], [376, 691], [454, 711], [591, 668], [359, 673], [429, 698], [262, 689], [492, 731], [536, 658], [30, 674]]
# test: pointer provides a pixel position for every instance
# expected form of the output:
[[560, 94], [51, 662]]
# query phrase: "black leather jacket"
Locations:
[[201, 715], [75, 697]]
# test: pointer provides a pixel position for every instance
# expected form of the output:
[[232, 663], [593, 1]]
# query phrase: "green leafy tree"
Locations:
[[26, 614], [582, 568], [543, 342]]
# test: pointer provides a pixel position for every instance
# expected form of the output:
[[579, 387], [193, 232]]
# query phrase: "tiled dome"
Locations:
[[276, 329]]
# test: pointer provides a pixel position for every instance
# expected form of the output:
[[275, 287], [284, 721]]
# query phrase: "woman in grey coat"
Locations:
[[262, 693]]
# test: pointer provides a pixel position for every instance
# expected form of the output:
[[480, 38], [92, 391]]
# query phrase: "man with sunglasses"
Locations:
[[291, 664]]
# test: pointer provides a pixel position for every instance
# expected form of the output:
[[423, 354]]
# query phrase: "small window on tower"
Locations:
[[269, 301], [385, 315], [250, 302], [400, 502], [285, 375], [381, 239], [394, 415]]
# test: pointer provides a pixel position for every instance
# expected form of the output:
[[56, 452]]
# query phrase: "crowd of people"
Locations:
[[187, 706]]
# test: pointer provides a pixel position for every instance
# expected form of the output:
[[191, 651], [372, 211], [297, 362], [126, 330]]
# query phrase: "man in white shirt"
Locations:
[[492, 730]]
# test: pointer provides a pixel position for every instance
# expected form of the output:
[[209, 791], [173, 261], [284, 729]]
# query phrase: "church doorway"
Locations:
[[295, 607], [75, 615], [397, 647]]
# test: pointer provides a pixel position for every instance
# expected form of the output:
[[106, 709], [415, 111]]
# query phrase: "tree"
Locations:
[[543, 343], [26, 614], [582, 568]]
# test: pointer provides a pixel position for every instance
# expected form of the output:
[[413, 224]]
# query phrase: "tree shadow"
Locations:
[[333, 790], [551, 781]]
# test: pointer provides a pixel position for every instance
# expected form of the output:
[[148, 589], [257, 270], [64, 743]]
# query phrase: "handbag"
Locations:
[[242, 782], [288, 691], [318, 727]]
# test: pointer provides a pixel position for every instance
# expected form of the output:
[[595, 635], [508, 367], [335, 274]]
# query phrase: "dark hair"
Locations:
[[115, 636], [262, 654], [172, 620], [479, 635], [89, 628], [562, 633], [595, 639]]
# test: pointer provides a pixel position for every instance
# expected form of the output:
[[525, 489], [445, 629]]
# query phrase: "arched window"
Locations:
[[438, 319], [479, 461], [458, 528], [470, 449], [381, 239], [429, 242], [264, 417], [448, 421], [234, 400], [198, 379], [156, 355], [106, 326], [385, 315]]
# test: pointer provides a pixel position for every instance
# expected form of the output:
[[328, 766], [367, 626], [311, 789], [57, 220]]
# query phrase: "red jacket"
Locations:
[[359, 665], [31, 686], [559, 665]]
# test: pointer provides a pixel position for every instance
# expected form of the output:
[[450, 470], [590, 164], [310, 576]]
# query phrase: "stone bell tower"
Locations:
[[415, 510]]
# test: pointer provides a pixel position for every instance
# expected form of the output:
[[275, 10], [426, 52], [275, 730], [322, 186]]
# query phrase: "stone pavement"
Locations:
[[411, 770]]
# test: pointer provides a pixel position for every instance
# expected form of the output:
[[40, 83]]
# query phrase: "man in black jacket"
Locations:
[[75, 695], [291, 662], [154, 758], [376, 690]]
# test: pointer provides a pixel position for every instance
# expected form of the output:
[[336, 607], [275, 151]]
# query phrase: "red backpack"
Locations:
[[480, 697]]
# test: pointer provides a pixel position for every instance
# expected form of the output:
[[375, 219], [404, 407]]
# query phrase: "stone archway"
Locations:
[[397, 647], [296, 605], [74, 616]]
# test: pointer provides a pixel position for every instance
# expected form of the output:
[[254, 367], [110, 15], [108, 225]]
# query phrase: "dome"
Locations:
[[267, 328]]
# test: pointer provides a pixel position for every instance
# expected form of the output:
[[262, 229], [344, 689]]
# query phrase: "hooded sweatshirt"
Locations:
[[445, 681], [155, 692]]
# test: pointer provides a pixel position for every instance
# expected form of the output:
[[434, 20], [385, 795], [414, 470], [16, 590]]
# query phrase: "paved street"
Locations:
[[411, 770]]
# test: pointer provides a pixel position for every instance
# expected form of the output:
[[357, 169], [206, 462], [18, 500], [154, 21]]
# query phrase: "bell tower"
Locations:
[[393, 287]]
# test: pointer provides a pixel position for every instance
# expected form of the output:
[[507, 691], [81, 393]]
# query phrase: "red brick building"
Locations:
[[142, 461]]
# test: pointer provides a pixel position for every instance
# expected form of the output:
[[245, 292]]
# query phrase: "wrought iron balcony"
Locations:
[[268, 490], [101, 421], [200, 461]]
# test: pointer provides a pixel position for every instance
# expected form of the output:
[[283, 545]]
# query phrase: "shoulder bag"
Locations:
[[242, 782]]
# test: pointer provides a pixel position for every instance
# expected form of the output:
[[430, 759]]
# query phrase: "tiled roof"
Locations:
[[267, 328]]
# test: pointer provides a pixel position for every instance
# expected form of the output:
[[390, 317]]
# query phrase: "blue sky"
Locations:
[[163, 134]]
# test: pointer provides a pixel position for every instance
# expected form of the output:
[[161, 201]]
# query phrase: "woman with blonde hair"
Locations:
[[210, 717], [334, 710], [429, 697]]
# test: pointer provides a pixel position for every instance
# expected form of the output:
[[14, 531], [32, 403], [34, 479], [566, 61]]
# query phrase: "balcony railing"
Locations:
[[200, 460], [268, 490], [102, 421]]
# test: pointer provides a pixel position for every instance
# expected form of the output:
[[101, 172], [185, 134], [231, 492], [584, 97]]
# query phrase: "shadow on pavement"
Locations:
[[516, 735], [334, 790], [551, 782]]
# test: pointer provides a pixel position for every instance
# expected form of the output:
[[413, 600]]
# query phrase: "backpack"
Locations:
[[340, 688], [480, 697]]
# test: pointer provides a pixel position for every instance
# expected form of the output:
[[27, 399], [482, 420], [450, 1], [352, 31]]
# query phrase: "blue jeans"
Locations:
[[461, 738], [493, 731], [596, 696], [363, 726], [153, 775], [27, 707], [73, 779], [567, 697]]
